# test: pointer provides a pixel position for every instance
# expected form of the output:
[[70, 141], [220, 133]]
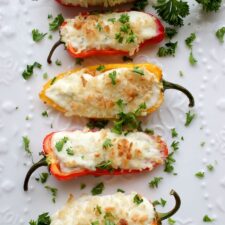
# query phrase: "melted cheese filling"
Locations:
[[86, 3], [119, 31], [88, 150], [119, 208], [87, 95]]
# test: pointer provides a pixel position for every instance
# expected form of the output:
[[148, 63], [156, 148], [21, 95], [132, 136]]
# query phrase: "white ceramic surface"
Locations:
[[205, 80]]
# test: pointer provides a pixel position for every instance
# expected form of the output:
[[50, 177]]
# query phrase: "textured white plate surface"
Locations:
[[205, 80]]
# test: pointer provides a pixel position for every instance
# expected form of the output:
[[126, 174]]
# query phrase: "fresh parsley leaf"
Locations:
[[99, 209], [37, 35], [200, 175], [174, 133], [30, 69], [107, 143], [141, 107], [95, 223], [169, 168], [43, 219], [53, 80], [113, 20], [58, 62], [202, 144], [26, 145], [44, 114], [98, 189], [149, 131], [171, 221], [192, 59], [120, 190], [59, 145], [99, 27], [189, 40], [210, 5], [207, 219], [137, 199], [170, 32], [210, 167], [172, 11], [79, 61], [105, 165], [100, 68], [168, 50], [189, 118], [120, 103], [93, 123], [50, 36], [138, 71], [53, 192], [161, 202], [139, 5], [220, 33], [124, 18], [175, 145], [82, 186], [56, 23], [69, 151], [155, 182], [42, 178], [112, 76]]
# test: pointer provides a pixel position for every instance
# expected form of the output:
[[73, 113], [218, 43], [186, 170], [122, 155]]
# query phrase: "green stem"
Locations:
[[34, 167], [163, 216], [169, 85], [56, 45]]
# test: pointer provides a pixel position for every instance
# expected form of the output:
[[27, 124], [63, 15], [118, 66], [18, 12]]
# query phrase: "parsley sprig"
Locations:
[[37, 35]]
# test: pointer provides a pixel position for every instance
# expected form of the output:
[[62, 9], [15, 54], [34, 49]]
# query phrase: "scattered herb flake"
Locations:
[[139, 5], [45, 76], [192, 60], [59, 145], [210, 5], [43, 219], [200, 175], [189, 118], [98, 189], [105, 165], [171, 221], [58, 62], [161, 202], [56, 23], [169, 168], [138, 71], [93, 123], [107, 143], [70, 151], [53, 191], [137, 199], [53, 80], [170, 32], [30, 69], [175, 145], [189, 40], [37, 35], [112, 76], [26, 145], [79, 61], [120, 190], [44, 114], [82, 186], [174, 133], [100, 68], [42, 178], [168, 50], [220, 33], [207, 219], [202, 144], [155, 182], [210, 167]]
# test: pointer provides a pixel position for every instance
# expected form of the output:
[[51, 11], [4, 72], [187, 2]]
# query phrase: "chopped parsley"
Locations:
[[210, 167], [192, 59], [171, 221], [175, 145], [220, 33], [53, 80], [105, 165], [99, 209], [56, 23], [43, 219], [99, 27], [98, 189], [210, 5], [200, 175], [112, 76], [207, 219], [58, 62], [202, 144], [95, 222], [161, 202], [168, 50], [44, 114], [50, 16], [174, 133], [53, 192], [79, 61], [30, 69], [155, 182], [170, 32], [107, 143], [120, 103], [42, 178], [189, 41], [124, 18], [100, 68], [26, 145], [69, 151], [82, 186], [140, 5], [93, 123], [189, 118], [149, 131], [169, 168], [137, 199], [113, 20], [59, 145], [37, 35], [172, 11], [138, 71], [120, 190], [50, 36]]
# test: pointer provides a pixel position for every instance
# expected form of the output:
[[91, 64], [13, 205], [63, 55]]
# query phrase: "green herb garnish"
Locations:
[[42, 178], [43, 219], [175, 145], [44, 114], [168, 50], [207, 219], [189, 118], [112, 76], [192, 59], [200, 175], [138, 71], [120, 190], [70, 151], [107, 143], [56, 23], [210, 5], [220, 33], [174, 133], [53, 191], [93, 123], [30, 69], [37, 35], [26, 145], [59, 145], [137, 199], [189, 41], [170, 32], [98, 189]]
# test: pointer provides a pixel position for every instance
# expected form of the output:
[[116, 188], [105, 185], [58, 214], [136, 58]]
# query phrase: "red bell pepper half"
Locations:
[[160, 34], [52, 162]]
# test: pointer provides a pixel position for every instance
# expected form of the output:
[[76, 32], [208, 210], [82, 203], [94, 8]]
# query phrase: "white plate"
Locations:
[[205, 80]]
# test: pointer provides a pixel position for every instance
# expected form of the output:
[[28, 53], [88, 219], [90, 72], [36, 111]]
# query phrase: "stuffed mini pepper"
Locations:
[[80, 153], [115, 209], [118, 33], [104, 91]]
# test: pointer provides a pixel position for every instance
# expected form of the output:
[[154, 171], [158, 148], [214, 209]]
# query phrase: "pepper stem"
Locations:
[[42, 162], [169, 85], [163, 216], [56, 45]]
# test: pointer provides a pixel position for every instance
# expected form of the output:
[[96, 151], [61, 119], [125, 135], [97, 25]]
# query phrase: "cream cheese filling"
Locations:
[[105, 150], [96, 96], [119, 31], [117, 208]]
